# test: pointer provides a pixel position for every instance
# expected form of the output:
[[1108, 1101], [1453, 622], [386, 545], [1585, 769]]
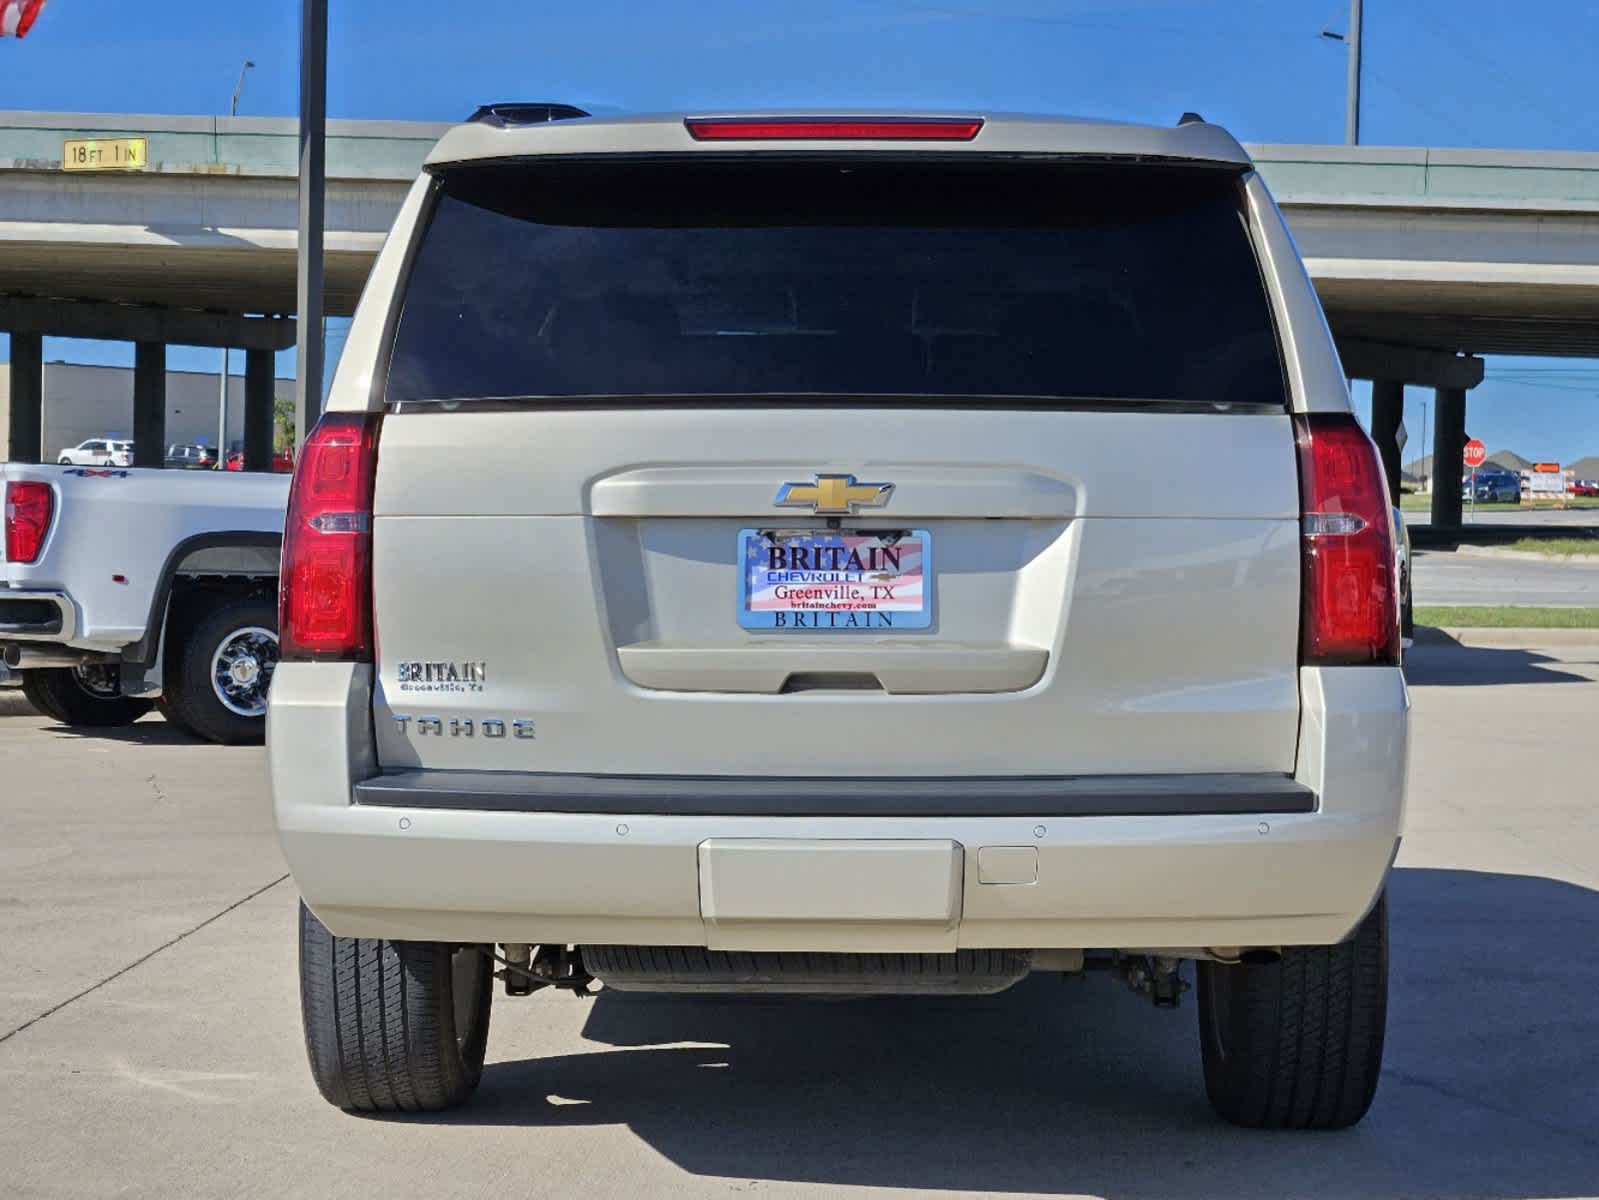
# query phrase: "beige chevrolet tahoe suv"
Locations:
[[840, 553]]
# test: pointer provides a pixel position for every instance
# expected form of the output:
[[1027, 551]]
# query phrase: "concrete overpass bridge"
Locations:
[[1424, 258]]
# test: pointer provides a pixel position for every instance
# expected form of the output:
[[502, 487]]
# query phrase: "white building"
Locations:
[[85, 401]]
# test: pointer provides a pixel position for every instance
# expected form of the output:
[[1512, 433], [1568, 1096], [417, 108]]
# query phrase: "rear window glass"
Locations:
[[964, 282]]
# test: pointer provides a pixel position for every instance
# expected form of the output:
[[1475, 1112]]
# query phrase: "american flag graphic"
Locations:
[[834, 573], [18, 16]]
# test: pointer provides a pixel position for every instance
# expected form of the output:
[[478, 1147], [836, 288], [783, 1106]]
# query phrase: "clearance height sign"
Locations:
[[105, 154]]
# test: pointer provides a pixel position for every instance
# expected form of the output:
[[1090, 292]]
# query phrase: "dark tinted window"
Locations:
[[865, 278]]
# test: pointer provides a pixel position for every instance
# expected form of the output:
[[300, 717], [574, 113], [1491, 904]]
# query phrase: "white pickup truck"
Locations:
[[123, 590]]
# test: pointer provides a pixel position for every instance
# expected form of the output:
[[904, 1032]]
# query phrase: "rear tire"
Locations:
[[392, 1026], [65, 695], [1297, 1044], [197, 700]]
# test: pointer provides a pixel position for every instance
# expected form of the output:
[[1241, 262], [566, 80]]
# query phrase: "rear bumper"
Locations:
[[1046, 864], [42, 615]]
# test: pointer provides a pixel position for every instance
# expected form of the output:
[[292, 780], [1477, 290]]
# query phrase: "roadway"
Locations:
[[150, 951], [1464, 577]]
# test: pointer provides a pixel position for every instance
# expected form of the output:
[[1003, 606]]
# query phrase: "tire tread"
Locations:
[[1298, 1044], [379, 1020]]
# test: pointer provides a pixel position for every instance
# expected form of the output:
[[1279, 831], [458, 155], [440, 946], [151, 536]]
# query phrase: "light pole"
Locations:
[[313, 184], [238, 88], [222, 388], [1353, 41]]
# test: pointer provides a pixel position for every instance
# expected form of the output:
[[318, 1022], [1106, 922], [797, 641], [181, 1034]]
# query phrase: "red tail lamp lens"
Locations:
[[325, 584], [29, 506], [1350, 587]]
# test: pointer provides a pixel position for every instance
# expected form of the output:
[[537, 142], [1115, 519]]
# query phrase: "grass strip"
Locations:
[[1565, 545], [1505, 616]]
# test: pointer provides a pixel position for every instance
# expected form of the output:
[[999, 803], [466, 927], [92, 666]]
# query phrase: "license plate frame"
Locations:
[[857, 610]]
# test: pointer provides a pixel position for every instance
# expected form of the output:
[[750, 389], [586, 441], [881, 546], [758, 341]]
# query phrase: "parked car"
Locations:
[[808, 593], [1493, 487], [98, 452], [282, 461], [1585, 487], [125, 590], [191, 456]]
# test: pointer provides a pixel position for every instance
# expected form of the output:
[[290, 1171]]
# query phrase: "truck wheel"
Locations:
[[222, 666], [1297, 1044], [90, 696], [392, 1026]]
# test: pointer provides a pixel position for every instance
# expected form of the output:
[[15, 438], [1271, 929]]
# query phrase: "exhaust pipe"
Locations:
[[28, 658], [1261, 956]]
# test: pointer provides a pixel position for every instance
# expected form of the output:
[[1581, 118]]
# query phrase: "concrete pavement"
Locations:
[[131, 877]]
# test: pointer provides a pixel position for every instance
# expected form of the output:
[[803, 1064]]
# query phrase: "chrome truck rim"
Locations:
[[241, 670]]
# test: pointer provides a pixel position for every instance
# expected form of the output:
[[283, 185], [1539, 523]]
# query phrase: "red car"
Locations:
[[282, 461], [1585, 487]]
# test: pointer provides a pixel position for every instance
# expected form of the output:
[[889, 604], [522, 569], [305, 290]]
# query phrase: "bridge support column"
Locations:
[[1387, 411], [149, 404], [25, 441], [1448, 451], [258, 410]]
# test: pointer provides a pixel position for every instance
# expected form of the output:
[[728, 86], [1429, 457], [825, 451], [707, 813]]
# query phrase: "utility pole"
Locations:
[[313, 186], [1352, 118], [1425, 443], [222, 414]]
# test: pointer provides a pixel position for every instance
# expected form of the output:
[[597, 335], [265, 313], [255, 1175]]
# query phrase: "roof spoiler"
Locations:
[[505, 116]]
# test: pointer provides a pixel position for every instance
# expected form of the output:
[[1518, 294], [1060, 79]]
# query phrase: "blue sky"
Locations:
[[1438, 72]]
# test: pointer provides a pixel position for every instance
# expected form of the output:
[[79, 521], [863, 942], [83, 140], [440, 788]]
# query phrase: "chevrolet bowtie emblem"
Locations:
[[834, 495]]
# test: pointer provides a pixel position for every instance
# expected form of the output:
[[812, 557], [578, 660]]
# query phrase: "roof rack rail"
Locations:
[[504, 116], [1191, 118]]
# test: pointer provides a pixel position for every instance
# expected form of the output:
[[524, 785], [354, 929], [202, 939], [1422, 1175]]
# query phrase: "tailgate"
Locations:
[[1096, 606]]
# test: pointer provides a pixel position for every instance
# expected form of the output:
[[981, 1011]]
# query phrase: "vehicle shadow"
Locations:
[[152, 730], [1488, 1089], [1437, 660]]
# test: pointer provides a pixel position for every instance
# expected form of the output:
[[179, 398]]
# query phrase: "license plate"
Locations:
[[835, 579]]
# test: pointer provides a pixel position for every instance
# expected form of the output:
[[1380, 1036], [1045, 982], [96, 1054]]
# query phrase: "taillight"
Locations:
[[325, 583], [833, 129], [1350, 591], [29, 506]]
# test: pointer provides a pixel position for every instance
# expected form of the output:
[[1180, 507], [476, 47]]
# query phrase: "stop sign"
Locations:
[[1476, 453]]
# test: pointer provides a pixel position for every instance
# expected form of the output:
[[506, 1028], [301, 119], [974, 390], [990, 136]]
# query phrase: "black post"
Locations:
[[149, 404], [258, 399], [1448, 457], [1387, 411], [26, 437], [313, 186]]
